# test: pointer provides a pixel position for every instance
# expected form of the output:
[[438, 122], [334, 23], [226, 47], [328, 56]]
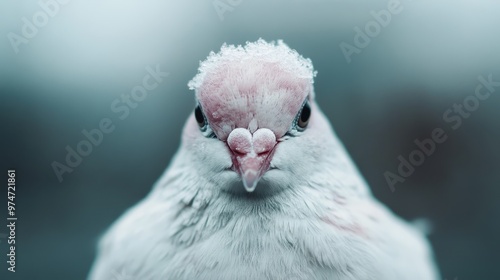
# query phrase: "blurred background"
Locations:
[[85, 55]]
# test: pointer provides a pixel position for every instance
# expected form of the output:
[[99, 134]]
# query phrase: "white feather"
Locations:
[[314, 218]]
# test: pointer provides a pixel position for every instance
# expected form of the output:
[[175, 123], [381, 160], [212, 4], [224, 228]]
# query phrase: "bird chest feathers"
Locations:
[[261, 188], [258, 242]]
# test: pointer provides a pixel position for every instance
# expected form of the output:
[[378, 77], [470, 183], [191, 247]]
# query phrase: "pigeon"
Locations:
[[261, 188]]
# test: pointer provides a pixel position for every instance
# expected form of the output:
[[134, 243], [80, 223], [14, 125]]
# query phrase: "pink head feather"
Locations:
[[260, 85]]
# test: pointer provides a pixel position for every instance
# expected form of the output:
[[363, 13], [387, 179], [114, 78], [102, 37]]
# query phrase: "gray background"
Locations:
[[395, 91]]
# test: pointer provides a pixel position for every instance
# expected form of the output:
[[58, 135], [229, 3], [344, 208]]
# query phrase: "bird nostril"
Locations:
[[240, 141], [238, 151], [264, 141], [262, 151]]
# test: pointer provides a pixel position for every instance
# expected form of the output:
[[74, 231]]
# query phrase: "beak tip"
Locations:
[[250, 188], [250, 180]]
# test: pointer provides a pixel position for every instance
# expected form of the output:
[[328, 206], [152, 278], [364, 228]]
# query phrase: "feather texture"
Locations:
[[312, 215]]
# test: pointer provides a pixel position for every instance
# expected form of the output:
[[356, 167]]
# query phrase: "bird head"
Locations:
[[255, 121]]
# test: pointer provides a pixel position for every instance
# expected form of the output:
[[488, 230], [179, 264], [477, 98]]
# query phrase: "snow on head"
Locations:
[[272, 53], [261, 82]]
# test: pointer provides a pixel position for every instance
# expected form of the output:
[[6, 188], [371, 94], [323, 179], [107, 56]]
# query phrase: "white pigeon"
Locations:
[[261, 188]]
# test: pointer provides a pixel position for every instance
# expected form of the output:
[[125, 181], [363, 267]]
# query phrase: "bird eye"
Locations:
[[305, 114], [200, 118]]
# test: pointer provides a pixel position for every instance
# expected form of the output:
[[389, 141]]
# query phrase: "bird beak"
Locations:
[[252, 167], [251, 153]]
